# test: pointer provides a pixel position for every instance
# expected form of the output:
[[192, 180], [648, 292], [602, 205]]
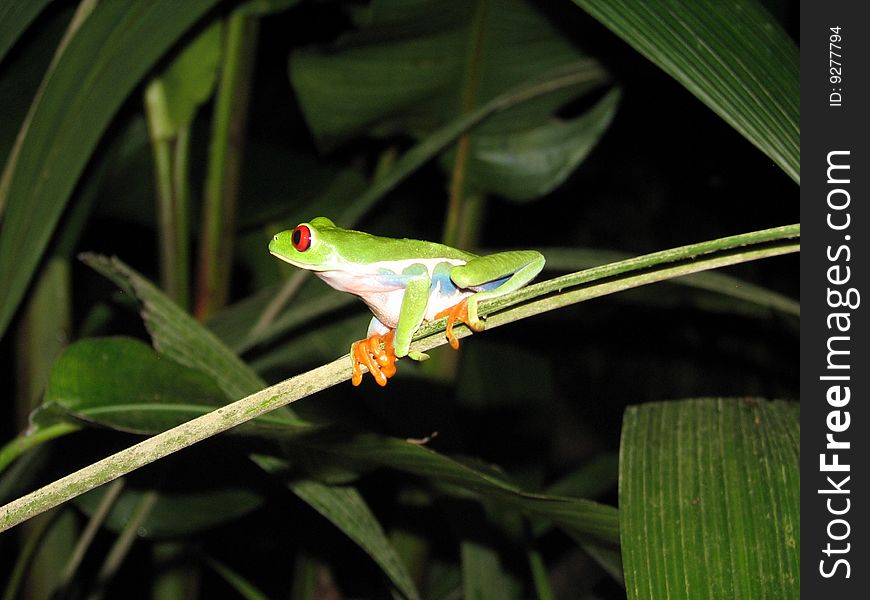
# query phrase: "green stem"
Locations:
[[244, 587], [224, 165], [43, 333], [547, 295], [25, 556], [25, 442], [635, 272], [277, 304], [539, 575], [122, 545], [172, 440], [94, 523], [455, 206], [171, 205], [180, 229]]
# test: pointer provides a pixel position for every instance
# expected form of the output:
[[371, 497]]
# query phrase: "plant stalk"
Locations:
[[224, 165]]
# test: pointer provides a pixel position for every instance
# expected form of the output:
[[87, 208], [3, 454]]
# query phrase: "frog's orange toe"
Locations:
[[458, 312], [375, 354]]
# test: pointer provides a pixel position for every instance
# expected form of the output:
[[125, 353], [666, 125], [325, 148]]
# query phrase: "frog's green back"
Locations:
[[361, 247]]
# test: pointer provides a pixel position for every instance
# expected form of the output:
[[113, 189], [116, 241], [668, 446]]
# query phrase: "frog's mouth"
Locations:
[[300, 264], [295, 263]]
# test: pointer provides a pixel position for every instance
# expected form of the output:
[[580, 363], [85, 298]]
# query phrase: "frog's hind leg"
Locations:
[[515, 268]]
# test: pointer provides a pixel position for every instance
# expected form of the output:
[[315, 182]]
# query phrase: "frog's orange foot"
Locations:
[[458, 312], [376, 354]]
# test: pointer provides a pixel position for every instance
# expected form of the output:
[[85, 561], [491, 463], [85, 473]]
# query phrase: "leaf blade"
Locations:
[[122, 383], [347, 510], [412, 67], [15, 17], [109, 54], [709, 504], [733, 56]]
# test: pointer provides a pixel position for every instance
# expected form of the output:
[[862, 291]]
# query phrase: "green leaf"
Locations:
[[406, 69], [187, 82], [179, 335], [107, 57], [733, 56], [176, 334], [709, 499], [529, 163], [584, 519], [483, 577], [244, 587], [589, 481], [347, 510], [123, 384], [414, 66], [581, 73], [15, 17]]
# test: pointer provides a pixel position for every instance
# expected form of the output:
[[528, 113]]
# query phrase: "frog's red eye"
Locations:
[[301, 238]]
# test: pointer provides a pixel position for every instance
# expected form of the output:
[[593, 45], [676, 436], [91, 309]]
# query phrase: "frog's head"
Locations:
[[311, 246]]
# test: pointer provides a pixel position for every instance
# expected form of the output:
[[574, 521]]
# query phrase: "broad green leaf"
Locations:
[[530, 163], [581, 73], [709, 499], [15, 17], [124, 384], [176, 334], [107, 57], [414, 66], [405, 69], [444, 580], [733, 56]]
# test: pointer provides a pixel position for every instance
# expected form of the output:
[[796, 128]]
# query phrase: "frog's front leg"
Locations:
[[497, 275], [413, 309], [378, 352]]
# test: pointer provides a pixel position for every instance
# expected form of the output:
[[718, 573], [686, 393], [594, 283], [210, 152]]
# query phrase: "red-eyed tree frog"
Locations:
[[404, 282]]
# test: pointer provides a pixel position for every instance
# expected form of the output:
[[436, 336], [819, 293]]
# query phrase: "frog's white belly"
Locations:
[[386, 306], [383, 292]]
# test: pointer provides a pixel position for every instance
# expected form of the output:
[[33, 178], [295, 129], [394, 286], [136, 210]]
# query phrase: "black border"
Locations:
[[826, 128]]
